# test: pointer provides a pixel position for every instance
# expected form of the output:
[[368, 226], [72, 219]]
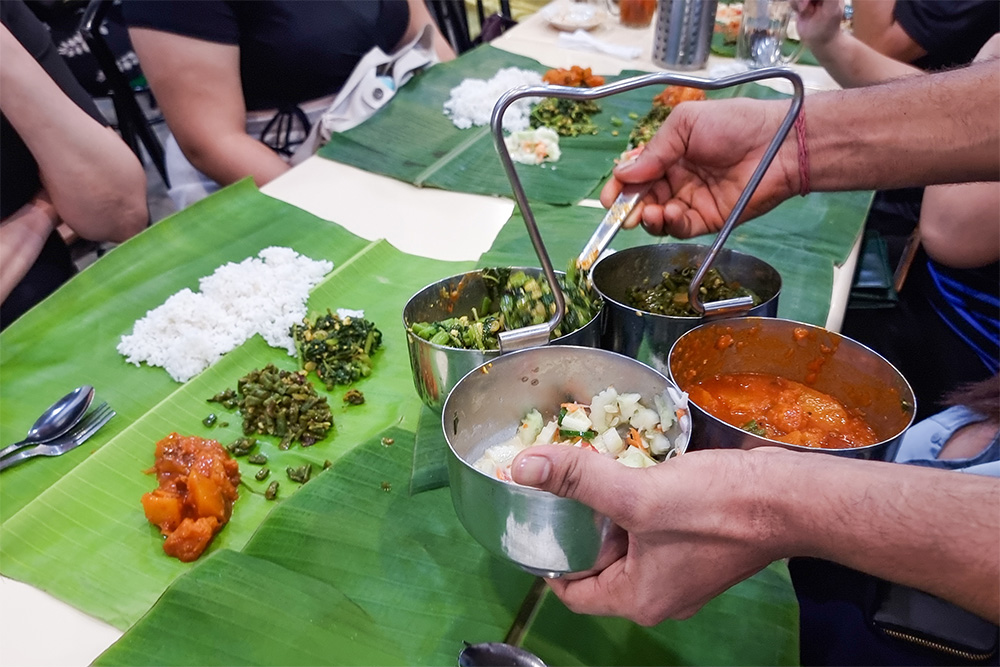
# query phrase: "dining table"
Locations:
[[366, 563]]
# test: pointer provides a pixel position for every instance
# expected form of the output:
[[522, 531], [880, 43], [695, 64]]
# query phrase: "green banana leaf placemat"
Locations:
[[411, 139], [803, 238], [353, 555], [70, 339]]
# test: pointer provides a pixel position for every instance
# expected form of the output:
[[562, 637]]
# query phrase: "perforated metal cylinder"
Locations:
[[683, 36]]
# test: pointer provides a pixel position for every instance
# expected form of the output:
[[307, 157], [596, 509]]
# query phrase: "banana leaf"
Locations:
[[803, 238], [77, 530], [354, 555], [70, 339], [412, 140]]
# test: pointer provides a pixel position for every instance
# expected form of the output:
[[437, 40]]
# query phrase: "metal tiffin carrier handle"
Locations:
[[538, 334]]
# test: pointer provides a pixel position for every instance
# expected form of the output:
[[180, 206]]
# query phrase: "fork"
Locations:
[[87, 427]]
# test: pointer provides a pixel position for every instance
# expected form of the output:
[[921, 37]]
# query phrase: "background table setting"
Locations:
[[367, 562]]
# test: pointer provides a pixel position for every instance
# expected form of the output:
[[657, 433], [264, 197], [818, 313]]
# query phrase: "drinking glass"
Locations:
[[763, 30]]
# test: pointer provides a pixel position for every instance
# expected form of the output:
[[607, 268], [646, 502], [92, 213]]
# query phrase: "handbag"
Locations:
[[372, 83]]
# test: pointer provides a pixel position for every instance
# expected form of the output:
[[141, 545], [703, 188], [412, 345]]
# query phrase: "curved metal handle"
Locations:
[[538, 334]]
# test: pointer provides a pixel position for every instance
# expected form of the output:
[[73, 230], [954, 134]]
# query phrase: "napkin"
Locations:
[[584, 41]]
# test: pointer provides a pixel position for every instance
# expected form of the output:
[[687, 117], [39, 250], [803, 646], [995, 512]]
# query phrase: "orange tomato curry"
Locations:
[[782, 410], [198, 480]]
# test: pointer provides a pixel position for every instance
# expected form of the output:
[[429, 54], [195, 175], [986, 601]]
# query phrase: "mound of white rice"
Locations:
[[472, 101], [192, 330]]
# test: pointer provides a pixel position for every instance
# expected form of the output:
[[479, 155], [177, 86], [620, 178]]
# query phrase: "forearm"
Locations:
[[232, 157], [932, 530], [853, 64], [22, 237], [861, 139], [95, 182]]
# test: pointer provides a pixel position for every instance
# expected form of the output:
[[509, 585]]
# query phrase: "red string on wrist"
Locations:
[[800, 133]]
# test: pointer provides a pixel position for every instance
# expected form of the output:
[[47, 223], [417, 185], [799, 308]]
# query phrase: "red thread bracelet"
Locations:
[[800, 133]]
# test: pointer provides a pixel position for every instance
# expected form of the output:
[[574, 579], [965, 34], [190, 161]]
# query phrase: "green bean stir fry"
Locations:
[[281, 403], [514, 300], [670, 296]]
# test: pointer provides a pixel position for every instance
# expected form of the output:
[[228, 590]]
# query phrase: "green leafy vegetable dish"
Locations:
[[670, 295], [338, 349], [513, 300]]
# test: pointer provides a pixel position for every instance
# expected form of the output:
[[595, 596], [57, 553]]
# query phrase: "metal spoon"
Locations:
[[497, 653], [59, 418]]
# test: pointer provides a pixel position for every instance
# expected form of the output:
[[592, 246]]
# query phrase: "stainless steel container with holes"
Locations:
[[683, 36]]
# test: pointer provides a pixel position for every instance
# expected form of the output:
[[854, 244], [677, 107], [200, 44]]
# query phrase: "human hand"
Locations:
[[818, 21], [700, 161], [691, 533]]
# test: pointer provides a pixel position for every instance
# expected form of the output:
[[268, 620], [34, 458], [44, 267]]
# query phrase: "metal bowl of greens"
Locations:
[[452, 325], [646, 295]]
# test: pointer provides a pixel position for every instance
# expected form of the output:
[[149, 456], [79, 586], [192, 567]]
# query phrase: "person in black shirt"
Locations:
[[59, 165], [220, 68]]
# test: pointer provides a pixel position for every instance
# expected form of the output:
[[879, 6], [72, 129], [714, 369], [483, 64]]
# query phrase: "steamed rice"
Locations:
[[472, 101], [192, 330]]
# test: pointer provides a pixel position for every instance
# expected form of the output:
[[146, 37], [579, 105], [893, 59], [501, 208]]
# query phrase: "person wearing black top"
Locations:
[[219, 68], [59, 164]]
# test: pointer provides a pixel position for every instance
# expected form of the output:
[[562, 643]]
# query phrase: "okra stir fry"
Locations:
[[513, 300], [670, 296]]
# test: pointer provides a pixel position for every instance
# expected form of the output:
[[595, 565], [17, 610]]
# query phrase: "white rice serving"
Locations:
[[192, 330], [472, 101]]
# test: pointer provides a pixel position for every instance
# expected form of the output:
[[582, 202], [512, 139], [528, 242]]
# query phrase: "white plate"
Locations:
[[570, 16]]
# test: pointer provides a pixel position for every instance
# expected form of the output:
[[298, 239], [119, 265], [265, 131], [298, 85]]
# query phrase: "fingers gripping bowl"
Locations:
[[865, 385], [542, 533]]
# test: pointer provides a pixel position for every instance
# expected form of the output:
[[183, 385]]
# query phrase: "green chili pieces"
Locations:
[[262, 474], [300, 474], [241, 446], [272, 490], [753, 427], [258, 459]]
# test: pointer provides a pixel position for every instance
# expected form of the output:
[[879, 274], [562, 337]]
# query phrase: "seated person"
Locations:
[[240, 83], [930, 34], [60, 164], [949, 301]]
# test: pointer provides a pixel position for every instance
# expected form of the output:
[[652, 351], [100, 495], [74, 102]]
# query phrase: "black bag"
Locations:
[[907, 614]]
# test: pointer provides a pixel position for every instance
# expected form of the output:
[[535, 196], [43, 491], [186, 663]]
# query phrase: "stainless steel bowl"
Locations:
[[850, 372], [437, 368], [647, 336], [543, 533]]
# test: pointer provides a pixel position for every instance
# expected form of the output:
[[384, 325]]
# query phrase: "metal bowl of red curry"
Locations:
[[862, 380]]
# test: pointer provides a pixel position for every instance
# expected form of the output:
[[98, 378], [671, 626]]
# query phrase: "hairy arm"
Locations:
[[875, 25], [93, 180], [887, 136], [960, 224], [702, 522], [198, 87]]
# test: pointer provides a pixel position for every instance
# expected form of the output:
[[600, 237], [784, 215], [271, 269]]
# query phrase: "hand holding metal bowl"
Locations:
[[539, 531]]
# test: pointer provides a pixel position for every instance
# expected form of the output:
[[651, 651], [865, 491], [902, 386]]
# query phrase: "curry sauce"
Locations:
[[782, 410]]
